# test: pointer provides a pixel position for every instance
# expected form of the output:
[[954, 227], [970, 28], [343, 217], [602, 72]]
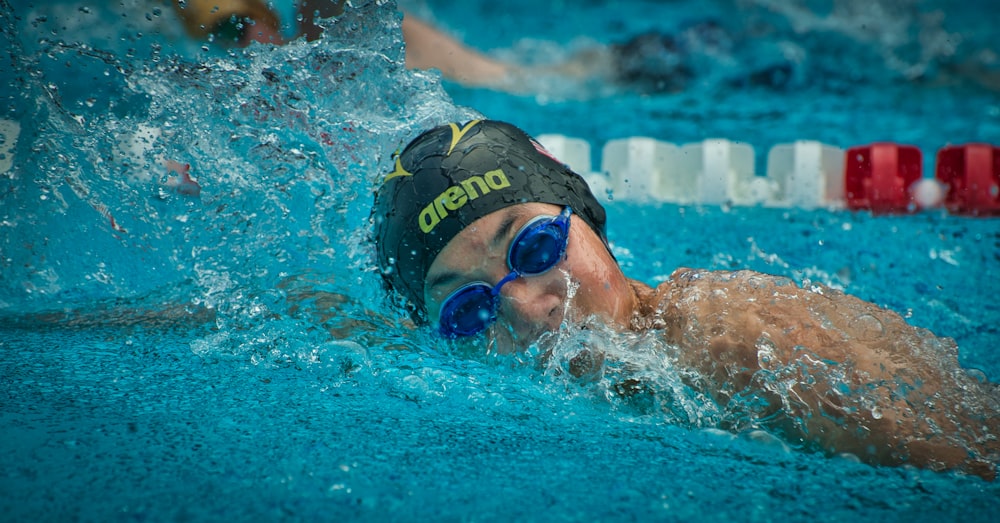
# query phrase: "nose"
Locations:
[[532, 305]]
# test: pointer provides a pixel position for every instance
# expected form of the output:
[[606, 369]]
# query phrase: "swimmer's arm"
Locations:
[[740, 328], [122, 313], [340, 315], [429, 48]]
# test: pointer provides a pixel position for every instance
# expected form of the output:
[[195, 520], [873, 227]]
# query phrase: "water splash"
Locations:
[[636, 374], [284, 145]]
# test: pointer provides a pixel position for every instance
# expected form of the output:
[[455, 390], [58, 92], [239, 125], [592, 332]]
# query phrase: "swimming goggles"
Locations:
[[536, 248]]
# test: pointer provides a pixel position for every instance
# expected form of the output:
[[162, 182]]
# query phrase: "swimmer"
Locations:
[[489, 238], [652, 62]]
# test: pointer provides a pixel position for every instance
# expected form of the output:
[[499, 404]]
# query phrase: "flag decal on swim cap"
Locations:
[[457, 134], [398, 171], [543, 150]]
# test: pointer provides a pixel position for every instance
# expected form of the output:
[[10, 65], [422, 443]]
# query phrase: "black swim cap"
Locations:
[[452, 175]]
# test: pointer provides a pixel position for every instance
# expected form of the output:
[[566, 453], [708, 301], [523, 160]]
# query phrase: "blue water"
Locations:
[[229, 356]]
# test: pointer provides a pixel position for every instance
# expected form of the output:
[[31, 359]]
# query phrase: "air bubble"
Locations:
[[768, 440]]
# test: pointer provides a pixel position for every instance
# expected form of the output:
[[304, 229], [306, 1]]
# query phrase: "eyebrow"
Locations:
[[501, 234], [441, 279], [499, 237]]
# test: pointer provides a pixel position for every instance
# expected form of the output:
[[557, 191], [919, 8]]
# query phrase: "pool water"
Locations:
[[228, 355]]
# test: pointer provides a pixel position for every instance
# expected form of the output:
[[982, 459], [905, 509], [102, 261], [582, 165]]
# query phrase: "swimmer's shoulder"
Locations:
[[688, 288], [684, 278], [743, 294]]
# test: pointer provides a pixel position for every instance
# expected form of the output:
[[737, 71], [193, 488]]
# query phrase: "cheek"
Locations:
[[595, 281], [596, 284], [600, 281]]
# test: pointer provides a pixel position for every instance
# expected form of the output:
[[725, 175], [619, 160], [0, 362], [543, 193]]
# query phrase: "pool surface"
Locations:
[[219, 347]]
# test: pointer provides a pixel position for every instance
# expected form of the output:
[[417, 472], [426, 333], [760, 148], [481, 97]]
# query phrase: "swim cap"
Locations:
[[452, 175]]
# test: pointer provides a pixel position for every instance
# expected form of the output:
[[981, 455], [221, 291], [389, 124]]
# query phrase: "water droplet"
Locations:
[[867, 327]]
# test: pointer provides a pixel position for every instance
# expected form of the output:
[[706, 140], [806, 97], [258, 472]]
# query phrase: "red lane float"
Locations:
[[878, 177], [971, 172]]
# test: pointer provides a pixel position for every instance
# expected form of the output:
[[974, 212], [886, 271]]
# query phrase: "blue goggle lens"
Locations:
[[469, 310], [539, 252]]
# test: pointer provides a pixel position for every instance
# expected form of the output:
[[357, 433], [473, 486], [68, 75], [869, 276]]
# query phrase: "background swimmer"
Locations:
[[653, 62], [825, 370]]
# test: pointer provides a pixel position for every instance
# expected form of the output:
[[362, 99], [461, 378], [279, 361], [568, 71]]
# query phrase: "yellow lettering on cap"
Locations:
[[428, 219], [470, 185], [457, 196], [496, 179], [439, 206], [454, 198]]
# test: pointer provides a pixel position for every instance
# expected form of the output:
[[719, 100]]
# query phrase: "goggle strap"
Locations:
[[506, 279]]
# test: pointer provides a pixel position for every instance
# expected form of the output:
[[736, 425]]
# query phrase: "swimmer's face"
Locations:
[[531, 305]]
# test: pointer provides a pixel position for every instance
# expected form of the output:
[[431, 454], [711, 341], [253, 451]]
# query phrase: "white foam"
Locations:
[[9, 132]]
